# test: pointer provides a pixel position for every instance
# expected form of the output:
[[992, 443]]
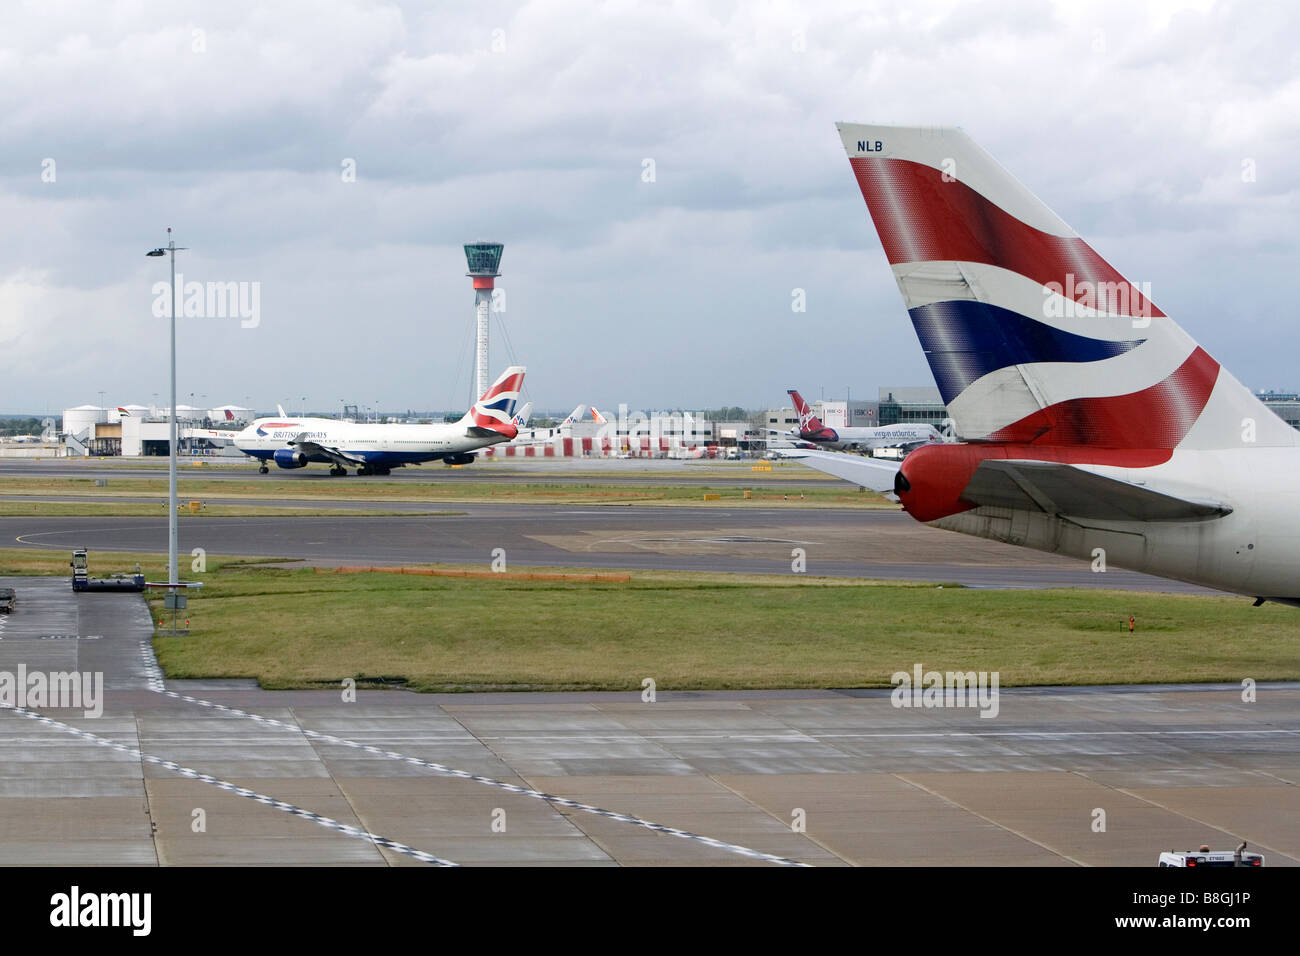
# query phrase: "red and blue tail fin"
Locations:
[[1032, 336], [497, 406]]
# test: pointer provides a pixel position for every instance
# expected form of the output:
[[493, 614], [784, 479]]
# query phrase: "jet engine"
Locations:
[[288, 458]]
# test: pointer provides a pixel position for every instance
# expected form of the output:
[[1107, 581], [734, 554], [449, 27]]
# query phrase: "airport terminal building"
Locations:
[[142, 430], [908, 404]]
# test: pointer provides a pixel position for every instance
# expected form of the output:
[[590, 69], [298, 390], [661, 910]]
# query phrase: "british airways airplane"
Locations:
[[1089, 423], [377, 449]]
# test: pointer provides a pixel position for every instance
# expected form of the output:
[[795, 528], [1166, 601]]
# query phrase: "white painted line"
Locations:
[[327, 822], [491, 782]]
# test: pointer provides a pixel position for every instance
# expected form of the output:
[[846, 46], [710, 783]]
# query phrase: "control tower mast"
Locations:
[[483, 259]]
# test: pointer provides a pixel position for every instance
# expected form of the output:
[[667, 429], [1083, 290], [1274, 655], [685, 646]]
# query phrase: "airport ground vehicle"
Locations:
[[7, 600], [1205, 857], [82, 581]]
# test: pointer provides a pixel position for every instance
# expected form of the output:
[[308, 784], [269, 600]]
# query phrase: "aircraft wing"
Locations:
[[1060, 489], [874, 473], [316, 450]]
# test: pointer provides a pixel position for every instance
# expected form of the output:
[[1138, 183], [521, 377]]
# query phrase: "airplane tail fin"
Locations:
[[596, 416], [525, 413], [808, 422], [1033, 337], [575, 415], [497, 405]]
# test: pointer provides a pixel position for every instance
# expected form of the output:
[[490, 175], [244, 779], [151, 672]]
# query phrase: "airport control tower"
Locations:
[[483, 258]]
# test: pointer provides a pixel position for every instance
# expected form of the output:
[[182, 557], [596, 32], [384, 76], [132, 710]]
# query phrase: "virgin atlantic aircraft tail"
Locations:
[[809, 424]]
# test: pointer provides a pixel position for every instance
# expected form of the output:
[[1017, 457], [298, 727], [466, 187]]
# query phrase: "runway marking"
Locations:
[[1081, 733], [26, 538], [152, 672], [648, 544], [329, 823], [549, 798], [814, 738], [1001, 826]]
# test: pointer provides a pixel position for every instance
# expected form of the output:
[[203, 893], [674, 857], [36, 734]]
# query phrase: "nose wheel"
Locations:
[[262, 469]]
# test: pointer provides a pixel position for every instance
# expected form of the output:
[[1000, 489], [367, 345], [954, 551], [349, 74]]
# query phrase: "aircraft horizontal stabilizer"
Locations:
[[479, 431], [1060, 489], [876, 474]]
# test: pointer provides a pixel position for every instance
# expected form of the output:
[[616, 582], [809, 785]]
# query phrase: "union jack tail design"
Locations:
[[497, 406], [1033, 338]]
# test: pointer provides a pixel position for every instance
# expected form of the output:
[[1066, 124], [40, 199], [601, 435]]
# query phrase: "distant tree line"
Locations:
[[21, 426], [732, 413]]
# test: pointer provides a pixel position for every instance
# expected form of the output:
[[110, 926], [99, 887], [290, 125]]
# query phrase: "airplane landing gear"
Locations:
[[262, 469], [363, 470], [379, 469], [338, 471]]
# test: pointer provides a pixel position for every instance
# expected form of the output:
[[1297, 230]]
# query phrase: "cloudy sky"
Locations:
[[338, 154]]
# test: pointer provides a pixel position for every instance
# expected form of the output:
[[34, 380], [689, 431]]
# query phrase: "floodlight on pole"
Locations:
[[172, 577]]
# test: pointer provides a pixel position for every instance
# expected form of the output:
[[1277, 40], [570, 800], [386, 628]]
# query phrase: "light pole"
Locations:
[[172, 579]]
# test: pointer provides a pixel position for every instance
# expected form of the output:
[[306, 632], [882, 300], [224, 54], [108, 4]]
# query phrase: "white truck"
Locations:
[[1205, 857]]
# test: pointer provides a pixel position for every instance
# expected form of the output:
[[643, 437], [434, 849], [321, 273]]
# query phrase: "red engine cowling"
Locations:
[[932, 478]]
